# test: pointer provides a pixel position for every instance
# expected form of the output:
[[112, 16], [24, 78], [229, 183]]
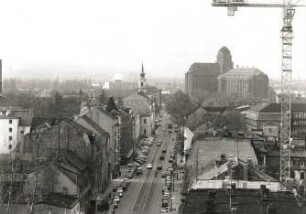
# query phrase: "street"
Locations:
[[144, 194]]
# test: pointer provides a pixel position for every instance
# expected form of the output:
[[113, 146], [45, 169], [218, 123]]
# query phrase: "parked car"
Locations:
[[161, 157], [139, 171], [163, 210], [159, 167], [164, 150], [149, 166], [117, 198], [120, 191], [130, 175]]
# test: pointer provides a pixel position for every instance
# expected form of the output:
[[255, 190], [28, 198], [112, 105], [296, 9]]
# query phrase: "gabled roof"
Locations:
[[95, 126], [142, 108], [245, 73], [39, 121], [201, 68], [60, 200], [143, 94], [104, 111], [276, 107]]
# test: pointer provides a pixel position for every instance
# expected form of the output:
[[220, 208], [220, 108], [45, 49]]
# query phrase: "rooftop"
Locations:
[[204, 68], [276, 107], [243, 72], [243, 200]]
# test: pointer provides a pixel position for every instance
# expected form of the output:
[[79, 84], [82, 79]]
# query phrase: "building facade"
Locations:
[[244, 82], [224, 58], [15, 122], [268, 117], [201, 79]]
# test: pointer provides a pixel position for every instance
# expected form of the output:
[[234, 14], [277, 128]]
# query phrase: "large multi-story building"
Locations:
[[268, 117], [201, 78], [244, 82]]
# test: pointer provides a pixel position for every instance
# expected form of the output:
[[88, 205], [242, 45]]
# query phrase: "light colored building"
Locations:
[[244, 82], [15, 122], [143, 108]]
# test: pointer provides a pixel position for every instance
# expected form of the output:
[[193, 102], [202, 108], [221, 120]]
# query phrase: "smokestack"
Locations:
[[0, 77]]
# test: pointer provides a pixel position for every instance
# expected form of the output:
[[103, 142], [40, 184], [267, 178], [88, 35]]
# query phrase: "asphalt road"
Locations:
[[144, 193]]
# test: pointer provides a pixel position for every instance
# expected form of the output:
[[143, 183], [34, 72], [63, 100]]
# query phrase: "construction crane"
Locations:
[[286, 73]]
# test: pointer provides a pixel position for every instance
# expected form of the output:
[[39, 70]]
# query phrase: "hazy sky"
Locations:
[[59, 37]]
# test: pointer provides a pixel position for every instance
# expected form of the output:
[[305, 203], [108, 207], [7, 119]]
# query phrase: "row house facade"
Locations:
[[111, 123], [143, 109], [65, 163]]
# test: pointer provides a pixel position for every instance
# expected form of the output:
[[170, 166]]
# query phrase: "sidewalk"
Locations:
[[176, 195]]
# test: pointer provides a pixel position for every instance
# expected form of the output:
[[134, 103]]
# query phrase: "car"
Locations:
[[130, 165], [159, 144], [139, 171], [120, 191], [164, 150], [116, 198], [149, 166], [163, 174], [163, 210], [130, 175], [114, 205], [170, 160], [170, 131], [159, 167], [161, 157]]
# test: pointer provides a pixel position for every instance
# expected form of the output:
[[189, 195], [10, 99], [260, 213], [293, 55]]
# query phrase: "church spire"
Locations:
[[142, 80]]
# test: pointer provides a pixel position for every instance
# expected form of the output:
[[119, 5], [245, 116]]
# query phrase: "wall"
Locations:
[[64, 182], [5, 133], [146, 127]]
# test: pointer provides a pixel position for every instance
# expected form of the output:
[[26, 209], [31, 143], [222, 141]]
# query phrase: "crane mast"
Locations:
[[286, 74], [286, 79]]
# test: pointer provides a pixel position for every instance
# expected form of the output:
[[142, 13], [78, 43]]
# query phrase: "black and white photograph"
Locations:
[[152, 106]]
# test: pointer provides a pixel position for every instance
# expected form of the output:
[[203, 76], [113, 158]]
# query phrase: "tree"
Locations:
[[103, 97], [179, 106], [111, 105]]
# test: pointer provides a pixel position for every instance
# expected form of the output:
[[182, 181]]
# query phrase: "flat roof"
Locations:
[[210, 150]]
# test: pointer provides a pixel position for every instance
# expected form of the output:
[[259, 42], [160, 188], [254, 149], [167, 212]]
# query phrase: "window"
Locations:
[[302, 176], [22, 132], [10, 121], [145, 132], [10, 138], [10, 129], [144, 121]]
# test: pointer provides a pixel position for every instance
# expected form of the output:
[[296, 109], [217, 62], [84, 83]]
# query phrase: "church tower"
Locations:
[[142, 80], [224, 58]]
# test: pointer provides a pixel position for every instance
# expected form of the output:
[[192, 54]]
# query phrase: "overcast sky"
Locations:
[[61, 37]]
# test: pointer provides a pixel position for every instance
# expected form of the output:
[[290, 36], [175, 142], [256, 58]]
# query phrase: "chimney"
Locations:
[[250, 162], [245, 172], [0, 77]]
